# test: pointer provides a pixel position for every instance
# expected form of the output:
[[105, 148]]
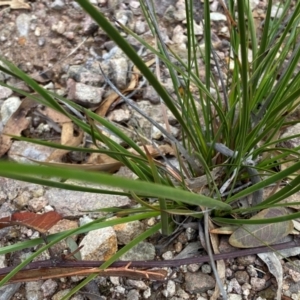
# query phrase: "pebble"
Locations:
[[206, 269], [4, 91], [58, 4], [170, 289], [198, 282], [137, 284], [99, 244], [216, 16], [133, 295], [49, 287], [142, 251], [33, 290], [23, 24], [9, 106], [126, 232], [168, 255], [86, 95]]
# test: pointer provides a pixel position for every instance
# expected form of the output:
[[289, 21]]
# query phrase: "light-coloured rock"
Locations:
[[25, 152], [137, 284], [142, 251], [37, 204], [198, 282], [119, 71], [9, 106], [170, 289], [258, 284], [5, 92], [58, 4], [23, 24], [87, 96], [121, 115], [33, 290], [133, 295], [276, 11], [216, 16], [49, 287], [234, 286], [126, 232], [74, 203], [234, 297], [99, 244]]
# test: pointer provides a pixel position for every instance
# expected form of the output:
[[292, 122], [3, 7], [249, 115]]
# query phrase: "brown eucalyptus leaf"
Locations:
[[248, 236]]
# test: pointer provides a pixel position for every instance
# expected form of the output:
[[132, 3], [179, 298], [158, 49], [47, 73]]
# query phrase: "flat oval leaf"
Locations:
[[248, 236]]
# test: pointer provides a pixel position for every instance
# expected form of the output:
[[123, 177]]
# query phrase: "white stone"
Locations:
[[276, 11], [9, 106], [216, 16]]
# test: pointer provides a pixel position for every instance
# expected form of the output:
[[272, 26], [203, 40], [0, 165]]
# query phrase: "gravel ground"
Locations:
[[63, 49]]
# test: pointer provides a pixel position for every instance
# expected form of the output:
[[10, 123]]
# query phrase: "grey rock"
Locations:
[[49, 287], [126, 232], [258, 284], [23, 24], [206, 269], [276, 11], [99, 244], [234, 297], [142, 251], [73, 202], [119, 71], [194, 268], [253, 3], [59, 295], [135, 7], [168, 255], [8, 107], [242, 277], [191, 250], [58, 4], [216, 16], [161, 6], [7, 291], [170, 289], [25, 152], [137, 284], [4, 92], [59, 27], [234, 286], [140, 27], [198, 282], [87, 96], [149, 93], [37, 204], [80, 74], [133, 295], [121, 115], [33, 290], [89, 25], [178, 36], [113, 4], [180, 13], [147, 293]]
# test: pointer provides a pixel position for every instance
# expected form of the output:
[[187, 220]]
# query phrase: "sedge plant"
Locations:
[[235, 129]]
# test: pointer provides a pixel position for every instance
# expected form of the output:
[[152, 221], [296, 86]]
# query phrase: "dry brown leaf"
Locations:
[[223, 230], [67, 139], [54, 115], [16, 4], [16, 124]]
